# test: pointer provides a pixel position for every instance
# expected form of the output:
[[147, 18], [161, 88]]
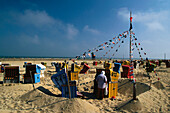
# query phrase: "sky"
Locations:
[[68, 28]]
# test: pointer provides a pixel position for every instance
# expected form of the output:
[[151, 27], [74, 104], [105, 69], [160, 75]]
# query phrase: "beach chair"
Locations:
[[126, 71], [3, 67], [150, 67], [32, 73], [73, 90], [59, 79], [117, 67], [167, 62], [0, 68], [113, 89], [108, 65], [108, 73], [75, 67], [114, 76], [73, 75], [95, 63], [11, 74], [85, 69]]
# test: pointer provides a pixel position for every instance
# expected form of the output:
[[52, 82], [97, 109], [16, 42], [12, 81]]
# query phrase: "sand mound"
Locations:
[[41, 100], [126, 87], [158, 85], [154, 101], [76, 106], [38, 98], [131, 106]]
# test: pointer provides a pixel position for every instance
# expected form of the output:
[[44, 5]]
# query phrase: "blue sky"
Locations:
[[70, 27]]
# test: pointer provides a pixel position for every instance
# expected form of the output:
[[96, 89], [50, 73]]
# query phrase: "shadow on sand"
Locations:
[[46, 91]]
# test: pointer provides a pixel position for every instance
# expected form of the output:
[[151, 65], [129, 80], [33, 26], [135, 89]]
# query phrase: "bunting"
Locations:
[[137, 44], [113, 41]]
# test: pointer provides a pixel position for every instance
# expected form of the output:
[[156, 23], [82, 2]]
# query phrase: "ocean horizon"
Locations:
[[56, 57]]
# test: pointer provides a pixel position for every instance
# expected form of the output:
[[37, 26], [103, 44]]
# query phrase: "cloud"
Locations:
[[40, 21], [25, 39], [71, 31], [152, 20], [155, 26], [35, 18], [88, 29]]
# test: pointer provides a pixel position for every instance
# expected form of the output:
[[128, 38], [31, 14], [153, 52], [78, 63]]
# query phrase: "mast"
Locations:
[[130, 55]]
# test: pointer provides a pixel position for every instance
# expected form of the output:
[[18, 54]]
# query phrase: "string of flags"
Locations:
[[107, 44], [118, 48], [134, 43], [110, 44], [112, 47]]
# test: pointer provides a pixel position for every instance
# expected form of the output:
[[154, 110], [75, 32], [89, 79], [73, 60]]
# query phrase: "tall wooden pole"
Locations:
[[134, 82], [130, 36]]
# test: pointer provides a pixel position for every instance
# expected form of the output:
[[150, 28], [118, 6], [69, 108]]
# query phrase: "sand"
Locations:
[[152, 94]]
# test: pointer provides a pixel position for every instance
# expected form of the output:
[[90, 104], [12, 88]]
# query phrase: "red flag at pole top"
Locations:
[[130, 19]]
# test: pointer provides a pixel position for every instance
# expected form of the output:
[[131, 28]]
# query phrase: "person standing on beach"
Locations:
[[101, 81]]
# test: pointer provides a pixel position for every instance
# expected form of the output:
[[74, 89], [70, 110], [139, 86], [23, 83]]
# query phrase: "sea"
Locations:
[[56, 57]]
